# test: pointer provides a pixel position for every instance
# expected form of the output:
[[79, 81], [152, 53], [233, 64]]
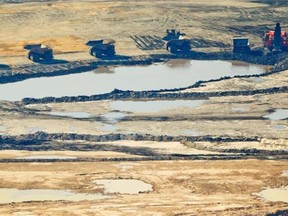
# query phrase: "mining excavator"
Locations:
[[277, 40], [176, 42], [100, 48], [38, 52]]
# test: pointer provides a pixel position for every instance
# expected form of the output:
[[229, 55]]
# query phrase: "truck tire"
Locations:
[[48, 57], [172, 49], [34, 57], [98, 54], [110, 53]]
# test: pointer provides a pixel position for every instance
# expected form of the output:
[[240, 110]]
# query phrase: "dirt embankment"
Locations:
[[42, 141]]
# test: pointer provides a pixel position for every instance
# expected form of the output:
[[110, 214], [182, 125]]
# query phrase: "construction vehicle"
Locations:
[[100, 48], [179, 45], [172, 34], [277, 40], [241, 45], [38, 52], [176, 42]]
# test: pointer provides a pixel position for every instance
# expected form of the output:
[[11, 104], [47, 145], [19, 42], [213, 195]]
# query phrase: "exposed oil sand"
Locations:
[[217, 134]]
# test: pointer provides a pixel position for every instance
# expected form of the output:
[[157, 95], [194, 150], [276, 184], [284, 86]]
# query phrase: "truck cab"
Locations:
[[241, 45]]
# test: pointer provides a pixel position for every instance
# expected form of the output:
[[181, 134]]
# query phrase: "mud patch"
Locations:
[[124, 186], [153, 106], [279, 127]]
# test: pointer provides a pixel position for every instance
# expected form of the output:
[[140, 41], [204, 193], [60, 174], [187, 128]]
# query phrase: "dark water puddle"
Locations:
[[154, 77]]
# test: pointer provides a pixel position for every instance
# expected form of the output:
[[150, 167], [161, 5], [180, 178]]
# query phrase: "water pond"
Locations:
[[173, 74], [8, 195], [274, 194], [278, 114]]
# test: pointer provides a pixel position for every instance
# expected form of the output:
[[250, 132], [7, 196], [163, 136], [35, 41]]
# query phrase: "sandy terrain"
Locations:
[[67, 25], [244, 151], [179, 187]]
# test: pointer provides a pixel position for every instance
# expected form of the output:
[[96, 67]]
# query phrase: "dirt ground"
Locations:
[[67, 26], [179, 187], [211, 159]]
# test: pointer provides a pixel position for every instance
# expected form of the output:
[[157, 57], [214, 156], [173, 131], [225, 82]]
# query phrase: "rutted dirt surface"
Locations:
[[204, 160]]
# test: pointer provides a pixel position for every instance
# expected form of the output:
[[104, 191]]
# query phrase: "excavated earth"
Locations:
[[214, 157]]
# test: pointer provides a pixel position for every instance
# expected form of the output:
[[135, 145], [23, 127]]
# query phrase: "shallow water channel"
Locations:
[[173, 74], [8, 195]]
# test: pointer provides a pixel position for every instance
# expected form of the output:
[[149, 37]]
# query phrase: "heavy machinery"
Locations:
[[176, 41], [276, 41], [241, 45], [100, 48], [179, 45], [171, 34], [38, 52]]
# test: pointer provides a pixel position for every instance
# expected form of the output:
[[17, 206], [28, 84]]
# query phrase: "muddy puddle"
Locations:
[[274, 194], [113, 117], [109, 128], [71, 114], [153, 77], [239, 109], [124, 186], [46, 157], [8, 195], [278, 114], [153, 106], [189, 132]]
